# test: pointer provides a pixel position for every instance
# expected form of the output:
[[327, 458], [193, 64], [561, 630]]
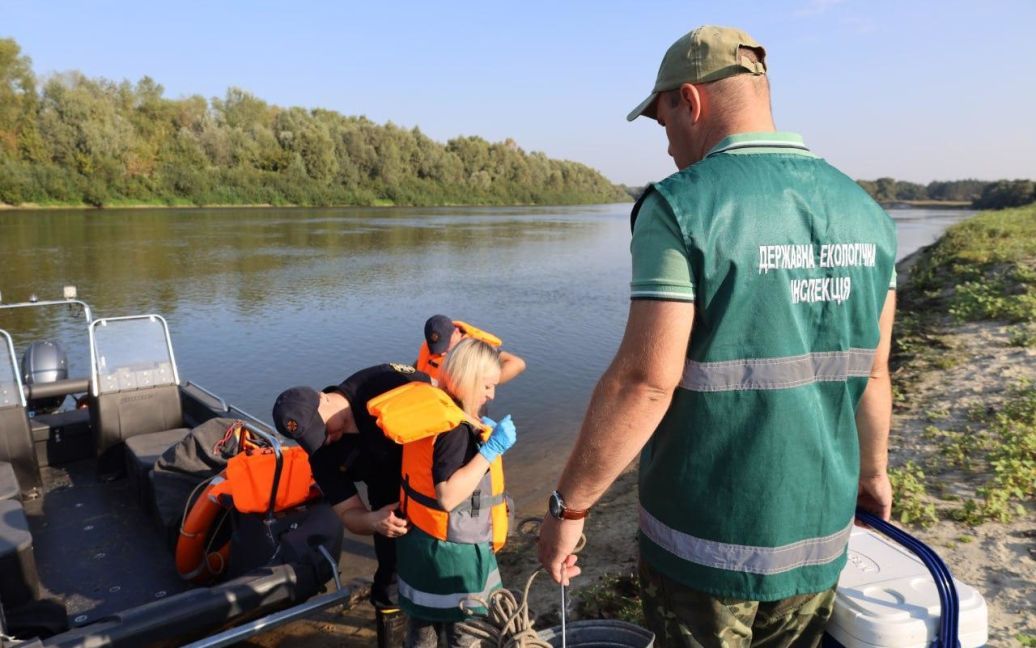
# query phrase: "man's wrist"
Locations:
[[560, 509]]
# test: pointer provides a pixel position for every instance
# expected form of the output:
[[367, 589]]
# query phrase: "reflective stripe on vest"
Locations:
[[448, 601], [776, 373], [745, 558]]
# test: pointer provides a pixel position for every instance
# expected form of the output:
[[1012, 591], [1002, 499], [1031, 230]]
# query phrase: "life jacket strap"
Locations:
[[419, 497]]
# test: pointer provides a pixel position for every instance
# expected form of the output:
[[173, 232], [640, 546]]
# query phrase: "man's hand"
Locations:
[[386, 522], [558, 539], [875, 495]]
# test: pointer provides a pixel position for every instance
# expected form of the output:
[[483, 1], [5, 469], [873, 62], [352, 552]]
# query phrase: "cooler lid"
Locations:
[[886, 597]]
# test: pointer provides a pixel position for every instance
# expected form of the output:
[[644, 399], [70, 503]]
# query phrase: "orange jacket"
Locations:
[[430, 364], [414, 415]]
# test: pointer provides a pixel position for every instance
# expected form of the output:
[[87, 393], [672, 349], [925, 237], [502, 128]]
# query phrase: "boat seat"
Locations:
[[120, 416], [9, 489], [19, 580], [16, 446], [142, 451]]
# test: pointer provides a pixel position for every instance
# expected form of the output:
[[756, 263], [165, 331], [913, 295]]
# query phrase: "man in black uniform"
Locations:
[[345, 446]]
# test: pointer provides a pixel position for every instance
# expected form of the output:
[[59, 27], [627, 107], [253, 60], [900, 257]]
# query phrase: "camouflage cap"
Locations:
[[709, 53]]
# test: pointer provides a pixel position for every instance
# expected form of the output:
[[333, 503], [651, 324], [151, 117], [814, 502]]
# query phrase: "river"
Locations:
[[262, 299]]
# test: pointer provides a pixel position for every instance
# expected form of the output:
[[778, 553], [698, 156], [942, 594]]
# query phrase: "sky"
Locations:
[[914, 89]]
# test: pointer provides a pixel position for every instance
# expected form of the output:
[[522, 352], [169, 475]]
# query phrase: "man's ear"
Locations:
[[692, 98]]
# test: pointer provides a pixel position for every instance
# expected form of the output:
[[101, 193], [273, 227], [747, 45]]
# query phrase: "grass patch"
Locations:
[[614, 597], [1023, 336], [910, 504], [981, 269], [939, 412], [1008, 453]]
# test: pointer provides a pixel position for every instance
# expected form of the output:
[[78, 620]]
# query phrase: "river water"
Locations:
[[259, 300]]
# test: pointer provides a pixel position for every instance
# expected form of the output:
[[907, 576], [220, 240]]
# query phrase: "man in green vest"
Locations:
[[753, 374]]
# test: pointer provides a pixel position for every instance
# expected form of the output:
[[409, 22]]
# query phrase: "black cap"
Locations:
[[437, 333], [296, 415]]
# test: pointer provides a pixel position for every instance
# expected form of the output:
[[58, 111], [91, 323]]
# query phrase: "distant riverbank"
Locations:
[[933, 204], [186, 204]]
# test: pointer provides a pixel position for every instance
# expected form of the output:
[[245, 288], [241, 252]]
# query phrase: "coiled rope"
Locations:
[[506, 623]]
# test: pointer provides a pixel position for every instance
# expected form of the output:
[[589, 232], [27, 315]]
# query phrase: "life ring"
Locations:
[[195, 561]]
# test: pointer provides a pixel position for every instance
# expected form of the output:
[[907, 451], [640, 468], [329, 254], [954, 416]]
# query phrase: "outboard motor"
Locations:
[[44, 362]]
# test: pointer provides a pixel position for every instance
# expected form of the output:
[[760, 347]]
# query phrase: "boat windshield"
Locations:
[[10, 388], [132, 353]]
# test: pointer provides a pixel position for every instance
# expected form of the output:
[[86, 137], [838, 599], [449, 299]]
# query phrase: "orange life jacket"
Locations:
[[246, 485], [414, 415], [430, 364]]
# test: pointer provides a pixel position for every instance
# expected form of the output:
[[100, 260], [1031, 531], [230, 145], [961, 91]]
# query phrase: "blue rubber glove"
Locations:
[[488, 422], [502, 438]]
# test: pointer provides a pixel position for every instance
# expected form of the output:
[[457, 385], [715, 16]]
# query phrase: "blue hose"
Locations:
[[949, 619]]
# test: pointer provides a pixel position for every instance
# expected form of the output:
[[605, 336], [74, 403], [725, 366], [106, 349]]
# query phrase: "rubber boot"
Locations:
[[391, 624]]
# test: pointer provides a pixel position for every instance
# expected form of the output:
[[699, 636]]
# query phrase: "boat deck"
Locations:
[[96, 549]]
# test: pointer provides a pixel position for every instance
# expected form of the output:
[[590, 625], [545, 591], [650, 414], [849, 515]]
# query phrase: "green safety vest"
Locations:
[[437, 576], [748, 486]]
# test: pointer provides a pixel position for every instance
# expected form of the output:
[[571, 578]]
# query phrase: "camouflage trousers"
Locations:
[[686, 618]]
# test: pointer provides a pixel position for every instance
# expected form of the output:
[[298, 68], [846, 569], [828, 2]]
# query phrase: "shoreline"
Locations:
[[33, 207], [927, 204]]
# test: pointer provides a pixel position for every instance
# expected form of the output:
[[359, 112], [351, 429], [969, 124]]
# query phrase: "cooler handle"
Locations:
[[949, 619]]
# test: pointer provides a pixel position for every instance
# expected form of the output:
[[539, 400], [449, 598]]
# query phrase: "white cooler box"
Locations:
[[886, 597]]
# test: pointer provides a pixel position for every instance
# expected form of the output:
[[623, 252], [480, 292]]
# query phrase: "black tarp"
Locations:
[[183, 466]]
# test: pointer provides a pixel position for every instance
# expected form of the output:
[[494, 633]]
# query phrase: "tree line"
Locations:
[[72, 139], [981, 194]]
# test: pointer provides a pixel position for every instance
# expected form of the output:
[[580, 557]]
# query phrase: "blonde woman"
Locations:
[[453, 495]]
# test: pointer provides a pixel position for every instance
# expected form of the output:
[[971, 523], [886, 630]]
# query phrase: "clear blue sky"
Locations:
[[918, 90]]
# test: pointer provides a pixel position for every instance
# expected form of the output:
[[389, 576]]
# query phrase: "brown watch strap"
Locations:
[[574, 514]]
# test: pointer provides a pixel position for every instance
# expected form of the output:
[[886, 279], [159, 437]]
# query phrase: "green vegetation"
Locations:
[[613, 597], [910, 505], [77, 141], [979, 193], [981, 269], [1011, 454]]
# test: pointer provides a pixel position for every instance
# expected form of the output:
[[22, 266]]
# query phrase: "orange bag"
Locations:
[[250, 480]]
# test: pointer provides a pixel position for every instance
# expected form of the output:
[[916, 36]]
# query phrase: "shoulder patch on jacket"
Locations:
[[402, 368]]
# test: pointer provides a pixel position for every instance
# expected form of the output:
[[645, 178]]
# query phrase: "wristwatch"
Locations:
[[557, 508]]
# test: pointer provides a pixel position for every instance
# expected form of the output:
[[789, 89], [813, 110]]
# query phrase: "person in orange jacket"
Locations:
[[441, 334], [452, 492]]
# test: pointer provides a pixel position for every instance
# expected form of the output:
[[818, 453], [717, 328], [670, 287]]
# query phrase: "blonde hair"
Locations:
[[465, 368]]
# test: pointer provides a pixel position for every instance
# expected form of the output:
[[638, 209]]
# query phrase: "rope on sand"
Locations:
[[506, 623]]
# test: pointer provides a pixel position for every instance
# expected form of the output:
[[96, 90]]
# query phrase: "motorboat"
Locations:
[[85, 559]]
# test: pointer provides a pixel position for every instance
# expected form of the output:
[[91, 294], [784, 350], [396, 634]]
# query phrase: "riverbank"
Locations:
[[186, 204], [926, 204]]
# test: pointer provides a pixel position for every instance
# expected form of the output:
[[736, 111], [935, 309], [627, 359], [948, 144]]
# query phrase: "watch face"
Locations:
[[554, 505]]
